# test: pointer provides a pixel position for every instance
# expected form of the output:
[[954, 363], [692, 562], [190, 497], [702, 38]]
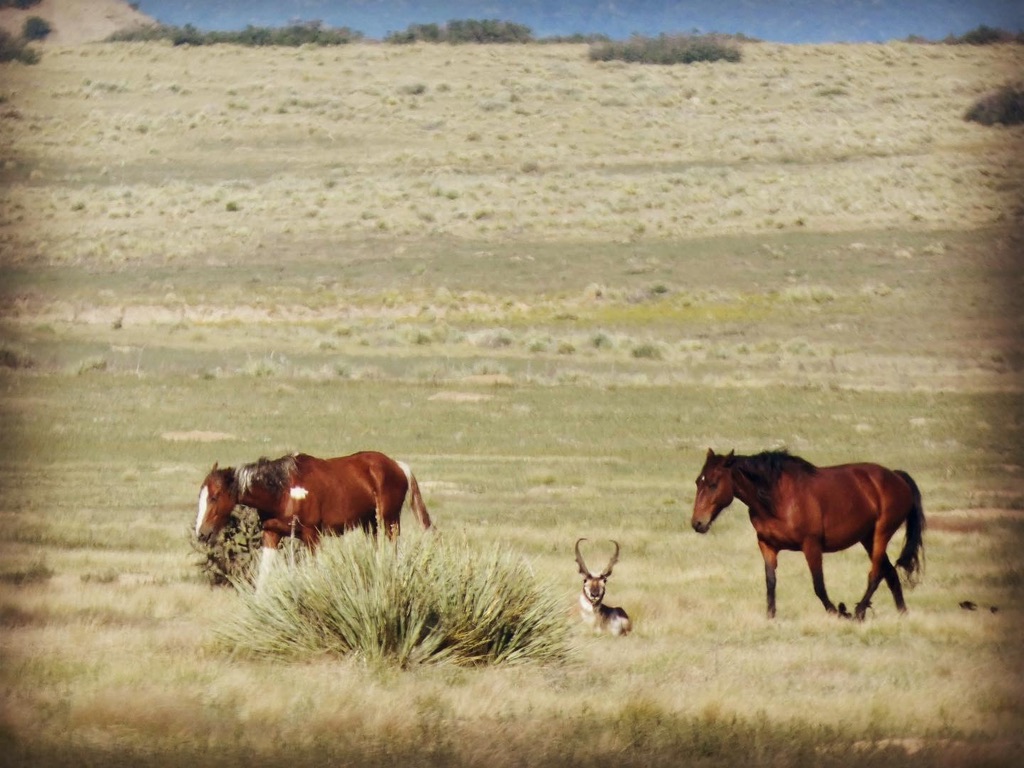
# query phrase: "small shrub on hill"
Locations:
[[1004, 106], [668, 49], [422, 599], [577, 38], [21, 5], [141, 34], [464, 31], [35, 28], [293, 35], [418, 33], [985, 35], [14, 49]]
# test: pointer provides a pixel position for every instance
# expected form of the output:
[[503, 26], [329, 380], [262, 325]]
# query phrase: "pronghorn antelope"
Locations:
[[595, 614]]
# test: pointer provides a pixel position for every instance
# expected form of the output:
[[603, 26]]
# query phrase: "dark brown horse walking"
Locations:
[[305, 496], [796, 506]]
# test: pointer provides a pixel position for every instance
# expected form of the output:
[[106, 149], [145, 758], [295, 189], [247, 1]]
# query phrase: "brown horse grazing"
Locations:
[[304, 496], [796, 506]]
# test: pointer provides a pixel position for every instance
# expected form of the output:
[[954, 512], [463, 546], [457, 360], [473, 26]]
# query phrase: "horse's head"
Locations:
[[217, 497], [714, 490]]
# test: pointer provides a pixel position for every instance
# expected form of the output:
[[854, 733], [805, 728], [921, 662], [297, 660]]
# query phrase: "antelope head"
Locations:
[[594, 584]]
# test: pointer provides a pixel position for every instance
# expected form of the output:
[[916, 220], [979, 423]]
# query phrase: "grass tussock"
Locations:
[[15, 357], [427, 599], [35, 573]]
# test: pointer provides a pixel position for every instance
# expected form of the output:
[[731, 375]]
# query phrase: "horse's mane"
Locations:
[[764, 470], [272, 474]]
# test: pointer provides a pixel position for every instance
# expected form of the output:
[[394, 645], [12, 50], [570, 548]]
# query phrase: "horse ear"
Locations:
[[730, 458], [214, 467], [711, 454]]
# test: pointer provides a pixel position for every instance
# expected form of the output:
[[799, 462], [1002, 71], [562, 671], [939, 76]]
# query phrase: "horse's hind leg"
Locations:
[[892, 580], [880, 566]]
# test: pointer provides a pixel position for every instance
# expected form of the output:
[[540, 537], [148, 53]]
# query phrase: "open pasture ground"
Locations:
[[549, 285]]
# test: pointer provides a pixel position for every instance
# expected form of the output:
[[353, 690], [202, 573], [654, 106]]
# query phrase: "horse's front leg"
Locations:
[[771, 561], [812, 553], [267, 557]]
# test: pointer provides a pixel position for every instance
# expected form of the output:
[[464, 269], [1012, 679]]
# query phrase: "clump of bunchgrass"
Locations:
[[89, 364], [15, 357], [34, 573], [647, 351], [422, 599]]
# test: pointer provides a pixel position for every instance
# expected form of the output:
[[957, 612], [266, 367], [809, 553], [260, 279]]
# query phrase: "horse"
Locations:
[[797, 506], [301, 495]]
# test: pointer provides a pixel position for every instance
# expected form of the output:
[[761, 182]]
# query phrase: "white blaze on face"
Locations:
[[298, 492], [203, 496]]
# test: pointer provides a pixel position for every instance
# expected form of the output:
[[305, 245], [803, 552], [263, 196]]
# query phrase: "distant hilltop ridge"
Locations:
[[76, 21]]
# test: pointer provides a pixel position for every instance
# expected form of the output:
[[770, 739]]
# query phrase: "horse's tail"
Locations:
[[415, 497], [911, 559]]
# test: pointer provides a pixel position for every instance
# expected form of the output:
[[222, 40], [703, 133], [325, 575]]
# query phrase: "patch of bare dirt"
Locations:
[[461, 397], [197, 436], [490, 379], [75, 22], [968, 520]]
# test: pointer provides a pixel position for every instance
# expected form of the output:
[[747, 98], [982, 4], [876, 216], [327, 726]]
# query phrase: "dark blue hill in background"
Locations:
[[784, 21]]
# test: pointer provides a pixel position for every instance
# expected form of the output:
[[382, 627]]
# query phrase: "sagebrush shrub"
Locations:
[[1004, 106], [231, 556], [36, 28], [984, 35], [668, 49], [14, 49]]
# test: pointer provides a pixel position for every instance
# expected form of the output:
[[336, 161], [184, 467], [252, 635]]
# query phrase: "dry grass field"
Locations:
[[549, 284]]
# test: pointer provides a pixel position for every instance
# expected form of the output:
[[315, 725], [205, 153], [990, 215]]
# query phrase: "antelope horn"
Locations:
[[579, 559], [611, 563]]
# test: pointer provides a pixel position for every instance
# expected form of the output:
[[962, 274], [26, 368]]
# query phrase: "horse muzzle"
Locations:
[[701, 526]]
